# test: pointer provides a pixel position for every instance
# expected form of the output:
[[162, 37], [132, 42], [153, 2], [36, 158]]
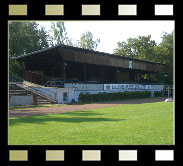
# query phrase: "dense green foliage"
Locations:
[[165, 51], [29, 36], [131, 124], [141, 47], [25, 37], [144, 48], [113, 96], [158, 94]]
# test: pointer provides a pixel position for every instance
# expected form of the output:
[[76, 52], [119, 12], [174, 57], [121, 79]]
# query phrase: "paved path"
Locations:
[[70, 108]]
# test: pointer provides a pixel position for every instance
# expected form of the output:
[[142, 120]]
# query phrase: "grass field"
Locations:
[[133, 124]]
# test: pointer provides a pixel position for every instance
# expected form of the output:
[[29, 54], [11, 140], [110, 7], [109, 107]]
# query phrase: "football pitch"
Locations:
[[125, 124]]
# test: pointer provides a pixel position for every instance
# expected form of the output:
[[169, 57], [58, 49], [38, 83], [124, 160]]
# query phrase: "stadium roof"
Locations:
[[61, 53]]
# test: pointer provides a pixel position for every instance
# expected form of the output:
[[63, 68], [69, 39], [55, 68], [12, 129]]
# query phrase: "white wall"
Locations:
[[21, 100], [157, 87], [70, 92], [78, 86], [100, 87], [56, 93], [74, 89]]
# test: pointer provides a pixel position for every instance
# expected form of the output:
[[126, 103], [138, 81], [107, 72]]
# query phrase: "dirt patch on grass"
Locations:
[[79, 107]]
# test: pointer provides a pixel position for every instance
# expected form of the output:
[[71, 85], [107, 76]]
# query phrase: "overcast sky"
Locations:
[[110, 32]]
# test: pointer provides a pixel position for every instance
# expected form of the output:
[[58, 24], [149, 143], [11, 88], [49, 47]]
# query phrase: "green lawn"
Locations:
[[134, 124]]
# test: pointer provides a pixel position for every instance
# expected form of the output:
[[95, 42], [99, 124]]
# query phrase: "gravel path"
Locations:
[[70, 108]]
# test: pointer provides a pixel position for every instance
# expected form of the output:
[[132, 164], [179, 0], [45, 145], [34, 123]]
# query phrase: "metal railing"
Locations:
[[168, 90], [55, 84], [50, 95], [115, 82]]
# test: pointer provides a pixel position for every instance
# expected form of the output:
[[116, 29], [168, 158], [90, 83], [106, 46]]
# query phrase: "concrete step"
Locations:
[[40, 103], [40, 98], [25, 93], [17, 90], [19, 93], [43, 101]]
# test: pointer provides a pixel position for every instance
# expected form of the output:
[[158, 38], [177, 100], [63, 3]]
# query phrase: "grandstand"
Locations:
[[68, 71]]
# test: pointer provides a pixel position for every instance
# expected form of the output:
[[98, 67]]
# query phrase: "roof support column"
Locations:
[[85, 71], [52, 72], [102, 73], [157, 77], [116, 75], [136, 78], [140, 77], [64, 70], [23, 68], [25, 75], [129, 76]]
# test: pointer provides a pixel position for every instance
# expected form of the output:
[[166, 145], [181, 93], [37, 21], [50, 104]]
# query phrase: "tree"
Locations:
[[144, 48], [60, 34], [25, 37], [141, 47], [87, 42], [165, 53]]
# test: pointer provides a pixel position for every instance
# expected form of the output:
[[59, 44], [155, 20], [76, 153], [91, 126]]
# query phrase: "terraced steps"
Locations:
[[15, 90]]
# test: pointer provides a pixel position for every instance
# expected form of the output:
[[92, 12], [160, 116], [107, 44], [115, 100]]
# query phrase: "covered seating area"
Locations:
[[62, 64]]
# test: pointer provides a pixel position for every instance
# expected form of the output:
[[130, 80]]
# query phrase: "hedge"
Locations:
[[158, 94], [113, 96]]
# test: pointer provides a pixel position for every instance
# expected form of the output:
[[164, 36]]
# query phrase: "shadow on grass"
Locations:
[[83, 113], [22, 114], [47, 118], [123, 101]]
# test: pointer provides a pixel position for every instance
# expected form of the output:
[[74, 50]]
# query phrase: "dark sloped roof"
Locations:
[[33, 54], [62, 53]]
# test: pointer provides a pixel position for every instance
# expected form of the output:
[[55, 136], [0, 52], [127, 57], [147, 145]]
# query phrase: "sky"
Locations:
[[110, 32]]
